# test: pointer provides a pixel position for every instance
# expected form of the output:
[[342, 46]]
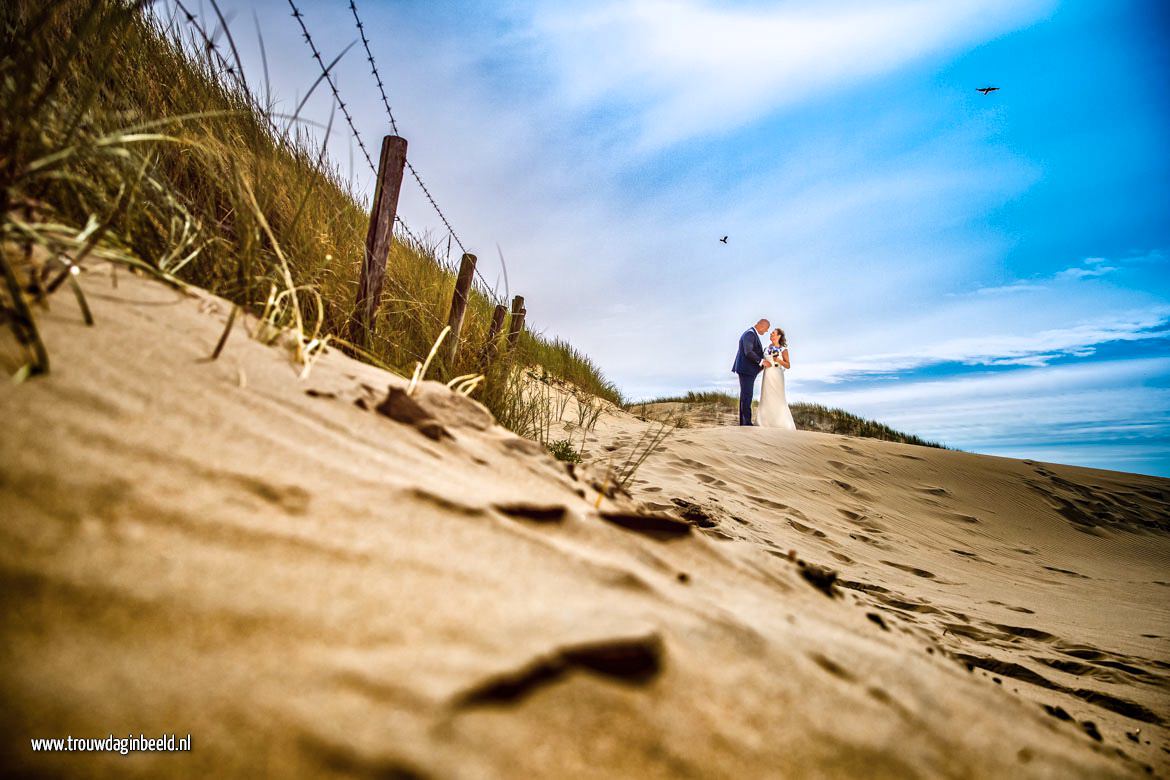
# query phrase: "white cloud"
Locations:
[[1090, 268], [691, 68], [1095, 267], [1107, 414], [1014, 287], [1002, 349]]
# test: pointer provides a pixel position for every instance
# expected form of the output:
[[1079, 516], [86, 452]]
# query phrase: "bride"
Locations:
[[774, 411]]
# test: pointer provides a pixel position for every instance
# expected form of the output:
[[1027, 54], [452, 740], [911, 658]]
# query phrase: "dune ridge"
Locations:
[[312, 583]]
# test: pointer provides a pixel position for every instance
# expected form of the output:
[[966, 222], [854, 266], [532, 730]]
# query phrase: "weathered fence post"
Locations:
[[517, 322], [459, 304], [493, 339], [378, 238]]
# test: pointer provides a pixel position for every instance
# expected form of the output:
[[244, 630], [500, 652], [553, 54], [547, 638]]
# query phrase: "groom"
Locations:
[[749, 359]]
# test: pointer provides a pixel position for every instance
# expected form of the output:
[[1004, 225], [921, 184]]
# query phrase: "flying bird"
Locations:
[[723, 240], [987, 90]]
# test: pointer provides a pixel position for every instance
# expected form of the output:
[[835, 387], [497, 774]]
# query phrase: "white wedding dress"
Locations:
[[774, 412]]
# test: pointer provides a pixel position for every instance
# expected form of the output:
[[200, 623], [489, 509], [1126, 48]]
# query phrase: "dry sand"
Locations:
[[309, 587]]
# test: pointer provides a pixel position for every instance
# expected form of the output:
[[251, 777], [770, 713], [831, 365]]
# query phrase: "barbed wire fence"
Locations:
[[326, 72], [452, 235], [361, 28], [216, 58], [211, 49]]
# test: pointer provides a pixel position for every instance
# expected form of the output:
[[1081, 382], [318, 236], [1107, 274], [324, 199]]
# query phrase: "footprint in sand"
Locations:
[[871, 542], [844, 486], [1096, 672], [913, 570], [934, 490], [692, 463], [1124, 707], [845, 469], [970, 632], [1067, 573], [804, 529], [851, 490], [903, 605], [707, 479], [864, 587], [767, 502], [1024, 632], [971, 556]]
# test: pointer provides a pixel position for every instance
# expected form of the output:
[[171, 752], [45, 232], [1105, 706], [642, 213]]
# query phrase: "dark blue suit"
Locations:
[[747, 365]]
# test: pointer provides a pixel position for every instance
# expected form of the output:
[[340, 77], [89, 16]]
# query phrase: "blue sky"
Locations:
[[986, 271]]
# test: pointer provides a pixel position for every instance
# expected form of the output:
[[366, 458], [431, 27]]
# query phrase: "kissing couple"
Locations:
[[750, 359]]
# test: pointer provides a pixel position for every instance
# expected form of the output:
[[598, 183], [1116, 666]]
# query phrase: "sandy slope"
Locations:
[[1053, 581], [309, 587]]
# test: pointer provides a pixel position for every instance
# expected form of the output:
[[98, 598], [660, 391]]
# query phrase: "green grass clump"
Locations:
[[815, 417], [704, 397], [563, 449], [808, 417], [110, 122]]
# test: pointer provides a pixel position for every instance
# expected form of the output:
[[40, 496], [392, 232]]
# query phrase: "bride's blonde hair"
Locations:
[[783, 338]]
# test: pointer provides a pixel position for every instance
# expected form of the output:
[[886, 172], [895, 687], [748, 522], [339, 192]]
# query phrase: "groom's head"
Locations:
[[762, 326]]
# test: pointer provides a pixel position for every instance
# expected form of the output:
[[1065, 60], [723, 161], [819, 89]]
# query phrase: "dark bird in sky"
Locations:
[[723, 240], [987, 90]]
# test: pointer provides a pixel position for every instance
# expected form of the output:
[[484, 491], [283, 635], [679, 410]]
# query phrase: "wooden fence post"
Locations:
[[459, 305], [378, 238], [493, 340], [517, 322]]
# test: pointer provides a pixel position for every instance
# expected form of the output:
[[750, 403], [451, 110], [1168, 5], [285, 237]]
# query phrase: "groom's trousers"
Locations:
[[747, 385]]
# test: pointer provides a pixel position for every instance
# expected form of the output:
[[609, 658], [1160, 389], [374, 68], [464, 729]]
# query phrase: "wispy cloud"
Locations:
[[1111, 413], [1089, 268], [1037, 349], [690, 68], [1006, 289]]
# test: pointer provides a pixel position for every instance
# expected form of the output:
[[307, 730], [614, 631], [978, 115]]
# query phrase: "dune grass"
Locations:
[[815, 417], [808, 417], [121, 140]]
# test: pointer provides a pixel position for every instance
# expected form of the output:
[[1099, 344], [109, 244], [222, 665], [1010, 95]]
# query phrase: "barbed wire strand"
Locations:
[[210, 46], [329, 80], [296, 12], [361, 144], [394, 126]]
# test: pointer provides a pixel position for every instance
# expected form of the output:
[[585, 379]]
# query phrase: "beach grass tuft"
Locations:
[[124, 142]]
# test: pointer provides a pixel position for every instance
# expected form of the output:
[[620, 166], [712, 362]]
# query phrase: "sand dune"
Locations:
[[319, 577]]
